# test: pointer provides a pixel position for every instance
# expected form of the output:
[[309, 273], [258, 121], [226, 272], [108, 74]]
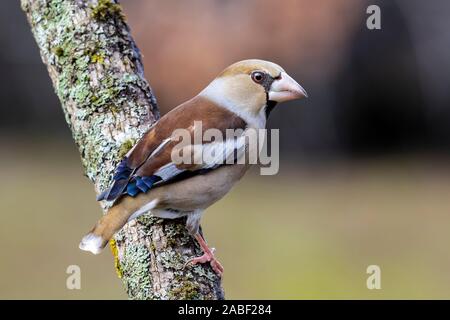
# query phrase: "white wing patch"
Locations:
[[168, 171], [206, 156], [225, 152]]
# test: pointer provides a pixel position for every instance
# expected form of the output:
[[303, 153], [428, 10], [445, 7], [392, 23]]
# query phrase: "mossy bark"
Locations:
[[97, 73]]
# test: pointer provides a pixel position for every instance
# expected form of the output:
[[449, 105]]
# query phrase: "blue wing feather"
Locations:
[[123, 171], [141, 185], [132, 189]]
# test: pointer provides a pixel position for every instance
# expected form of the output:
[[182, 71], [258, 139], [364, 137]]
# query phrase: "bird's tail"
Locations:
[[117, 216]]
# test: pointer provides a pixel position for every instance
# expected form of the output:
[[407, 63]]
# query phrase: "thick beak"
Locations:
[[286, 89]]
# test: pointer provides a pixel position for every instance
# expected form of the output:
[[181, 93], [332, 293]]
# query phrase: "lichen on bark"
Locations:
[[97, 73]]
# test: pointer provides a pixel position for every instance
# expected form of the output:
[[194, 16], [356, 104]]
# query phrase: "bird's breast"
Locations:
[[202, 191]]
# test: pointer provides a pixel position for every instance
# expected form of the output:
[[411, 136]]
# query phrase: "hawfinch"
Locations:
[[149, 180]]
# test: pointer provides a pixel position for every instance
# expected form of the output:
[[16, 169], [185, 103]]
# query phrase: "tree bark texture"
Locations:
[[97, 73]]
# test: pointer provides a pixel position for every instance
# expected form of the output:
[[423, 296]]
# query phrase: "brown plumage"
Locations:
[[196, 109]]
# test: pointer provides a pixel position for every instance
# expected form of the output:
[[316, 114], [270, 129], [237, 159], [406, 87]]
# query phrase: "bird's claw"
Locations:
[[206, 257]]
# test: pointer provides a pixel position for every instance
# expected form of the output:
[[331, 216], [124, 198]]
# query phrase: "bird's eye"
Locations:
[[257, 76]]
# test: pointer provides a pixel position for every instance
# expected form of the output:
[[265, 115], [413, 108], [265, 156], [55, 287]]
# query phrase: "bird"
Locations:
[[148, 180]]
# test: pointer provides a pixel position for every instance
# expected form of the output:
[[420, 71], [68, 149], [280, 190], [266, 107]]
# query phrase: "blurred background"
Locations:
[[364, 176]]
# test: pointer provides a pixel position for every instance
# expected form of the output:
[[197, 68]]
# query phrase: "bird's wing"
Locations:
[[149, 163]]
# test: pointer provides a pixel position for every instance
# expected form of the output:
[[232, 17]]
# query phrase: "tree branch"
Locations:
[[97, 73]]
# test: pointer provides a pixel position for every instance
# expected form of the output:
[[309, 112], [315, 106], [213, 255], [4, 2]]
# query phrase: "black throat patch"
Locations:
[[270, 105]]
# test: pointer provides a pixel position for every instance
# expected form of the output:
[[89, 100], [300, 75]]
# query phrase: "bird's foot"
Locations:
[[208, 257]]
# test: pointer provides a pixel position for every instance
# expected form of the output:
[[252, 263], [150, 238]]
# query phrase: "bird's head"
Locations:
[[251, 88]]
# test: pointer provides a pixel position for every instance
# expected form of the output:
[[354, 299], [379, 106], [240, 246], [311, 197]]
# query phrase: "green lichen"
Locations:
[[79, 48], [147, 220], [97, 58], [106, 9], [95, 53], [171, 259], [171, 242], [76, 48], [125, 147], [176, 232], [187, 290], [203, 272], [136, 271], [120, 236], [25, 5], [58, 51]]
